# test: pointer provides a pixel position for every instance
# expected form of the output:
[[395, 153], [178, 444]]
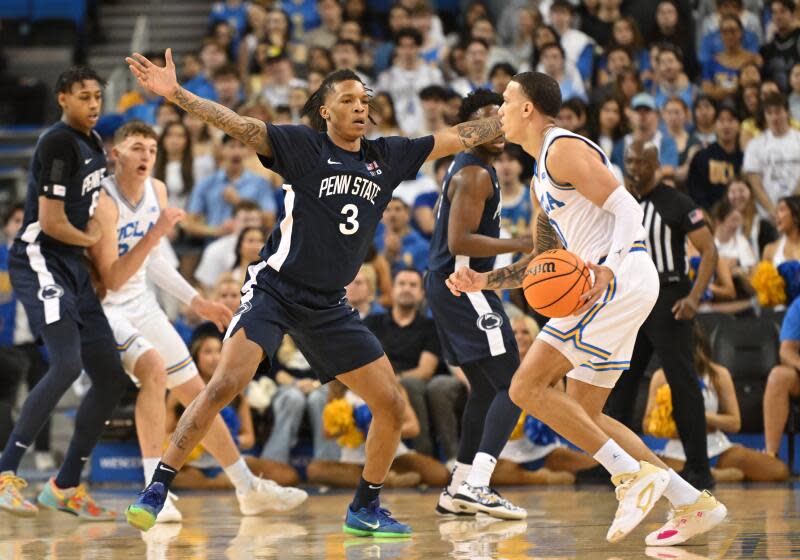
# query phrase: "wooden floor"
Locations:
[[562, 523]]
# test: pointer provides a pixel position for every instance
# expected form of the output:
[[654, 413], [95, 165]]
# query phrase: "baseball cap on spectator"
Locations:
[[643, 101]]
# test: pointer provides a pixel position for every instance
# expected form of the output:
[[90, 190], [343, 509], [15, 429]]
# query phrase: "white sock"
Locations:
[[459, 475], [679, 492], [615, 459], [240, 475], [149, 465], [482, 468]]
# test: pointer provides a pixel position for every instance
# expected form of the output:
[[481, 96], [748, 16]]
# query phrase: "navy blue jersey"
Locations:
[[441, 260], [67, 165], [334, 201]]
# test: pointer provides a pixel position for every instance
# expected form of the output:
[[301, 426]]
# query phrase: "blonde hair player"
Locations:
[[585, 210]]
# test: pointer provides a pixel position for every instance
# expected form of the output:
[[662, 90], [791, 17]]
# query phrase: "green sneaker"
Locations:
[[79, 503], [11, 500]]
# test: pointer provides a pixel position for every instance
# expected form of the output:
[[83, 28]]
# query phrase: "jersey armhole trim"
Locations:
[[568, 186]]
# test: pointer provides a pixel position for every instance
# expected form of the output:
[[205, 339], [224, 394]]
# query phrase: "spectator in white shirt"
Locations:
[[476, 58], [772, 160], [406, 77], [578, 46], [553, 63], [220, 256], [280, 79]]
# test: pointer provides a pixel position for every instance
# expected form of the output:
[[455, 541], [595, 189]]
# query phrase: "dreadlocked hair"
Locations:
[[476, 101], [317, 100]]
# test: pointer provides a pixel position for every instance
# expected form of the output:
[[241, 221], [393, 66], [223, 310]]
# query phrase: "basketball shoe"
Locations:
[[11, 499], [487, 500], [637, 494], [78, 502], [445, 506], [687, 521], [374, 521], [267, 495], [143, 512], [170, 512]]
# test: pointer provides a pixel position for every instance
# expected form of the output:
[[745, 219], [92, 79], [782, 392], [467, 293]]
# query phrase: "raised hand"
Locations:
[[160, 80], [466, 280], [167, 220]]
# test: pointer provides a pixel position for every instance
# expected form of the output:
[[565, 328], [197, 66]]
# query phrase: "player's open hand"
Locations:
[[212, 311], [158, 79], [602, 278], [466, 280], [168, 220]]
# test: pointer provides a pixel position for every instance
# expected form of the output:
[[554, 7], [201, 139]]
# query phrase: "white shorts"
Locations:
[[599, 344], [140, 325]]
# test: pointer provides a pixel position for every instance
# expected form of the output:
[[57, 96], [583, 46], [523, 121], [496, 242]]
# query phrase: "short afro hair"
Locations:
[[476, 101]]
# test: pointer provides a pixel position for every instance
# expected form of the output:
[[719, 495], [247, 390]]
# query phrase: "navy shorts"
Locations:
[[52, 285], [471, 327], [324, 327]]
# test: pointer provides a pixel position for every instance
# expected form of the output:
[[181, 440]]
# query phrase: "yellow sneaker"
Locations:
[[11, 500], [79, 503], [637, 494], [687, 521]]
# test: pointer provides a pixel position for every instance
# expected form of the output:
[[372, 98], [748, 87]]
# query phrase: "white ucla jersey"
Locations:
[[134, 221], [583, 227]]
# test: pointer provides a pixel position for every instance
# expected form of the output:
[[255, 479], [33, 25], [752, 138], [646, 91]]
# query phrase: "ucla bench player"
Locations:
[[337, 185], [474, 329], [50, 278], [592, 215], [134, 216]]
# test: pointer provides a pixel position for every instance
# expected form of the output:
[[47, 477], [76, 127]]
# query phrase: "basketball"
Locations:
[[554, 282]]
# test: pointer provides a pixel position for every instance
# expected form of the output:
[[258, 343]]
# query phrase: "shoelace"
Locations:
[[81, 496], [14, 481]]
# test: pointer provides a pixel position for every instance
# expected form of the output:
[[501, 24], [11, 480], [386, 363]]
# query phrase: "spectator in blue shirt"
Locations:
[[783, 382], [302, 12], [212, 56], [212, 201], [232, 12], [402, 246], [670, 80], [721, 70], [644, 123], [554, 64]]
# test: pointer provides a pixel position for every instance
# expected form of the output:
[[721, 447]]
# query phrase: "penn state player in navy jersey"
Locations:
[[474, 329], [337, 185], [50, 278]]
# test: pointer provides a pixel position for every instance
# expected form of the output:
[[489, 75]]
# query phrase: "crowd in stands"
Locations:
[[713, 84]]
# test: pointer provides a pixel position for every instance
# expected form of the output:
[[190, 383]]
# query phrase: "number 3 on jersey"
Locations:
[[351, 212]]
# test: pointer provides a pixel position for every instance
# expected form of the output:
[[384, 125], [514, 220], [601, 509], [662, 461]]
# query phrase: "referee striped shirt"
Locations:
[[669, 216]]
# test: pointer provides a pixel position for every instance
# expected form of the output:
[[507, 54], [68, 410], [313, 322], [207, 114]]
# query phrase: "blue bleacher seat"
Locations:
[[71, 10]]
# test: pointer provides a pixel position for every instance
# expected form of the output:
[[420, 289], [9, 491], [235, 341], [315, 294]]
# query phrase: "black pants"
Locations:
[[673, 342], [23, 361]]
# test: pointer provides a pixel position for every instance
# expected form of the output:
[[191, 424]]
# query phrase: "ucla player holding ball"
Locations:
[[593, 216], [337, 185]]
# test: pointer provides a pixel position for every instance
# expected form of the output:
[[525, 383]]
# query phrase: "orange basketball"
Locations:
[[554, 282]]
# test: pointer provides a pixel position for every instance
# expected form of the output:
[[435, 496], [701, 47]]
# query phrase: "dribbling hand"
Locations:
[[602, 278], [466, 280], [160, 80]]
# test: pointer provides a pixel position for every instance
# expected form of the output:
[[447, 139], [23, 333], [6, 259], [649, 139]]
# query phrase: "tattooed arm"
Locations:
[[511, 276], [467, 280], [164, 82], [464, 136]]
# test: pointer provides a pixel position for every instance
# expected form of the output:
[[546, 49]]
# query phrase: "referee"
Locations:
[[669, 218]]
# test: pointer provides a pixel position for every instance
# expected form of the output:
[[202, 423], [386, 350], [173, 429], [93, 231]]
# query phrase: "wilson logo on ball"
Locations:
[[542, 268]]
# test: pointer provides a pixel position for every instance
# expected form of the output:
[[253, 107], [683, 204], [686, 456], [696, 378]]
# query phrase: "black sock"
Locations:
[[366, 493], [164, 474]]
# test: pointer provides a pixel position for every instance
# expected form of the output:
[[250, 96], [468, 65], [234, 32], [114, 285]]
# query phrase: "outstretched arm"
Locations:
[[164, 82], [464, 136]]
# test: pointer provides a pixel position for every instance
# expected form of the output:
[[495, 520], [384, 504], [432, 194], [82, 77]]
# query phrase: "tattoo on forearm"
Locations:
[[475, 133], [250, 131], [509, 276], [546, 238]]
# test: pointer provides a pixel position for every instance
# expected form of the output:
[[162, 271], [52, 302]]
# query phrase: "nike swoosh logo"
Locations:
[[331, 162], [163, 468], [87, 161], [376, 487], [22, 445], [370, 525]]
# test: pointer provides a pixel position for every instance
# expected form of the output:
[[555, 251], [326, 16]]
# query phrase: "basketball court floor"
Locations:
[[562, 523]]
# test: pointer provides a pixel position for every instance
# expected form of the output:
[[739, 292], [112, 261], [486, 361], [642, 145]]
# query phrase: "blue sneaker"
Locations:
[[374, 521], [143, 512]]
